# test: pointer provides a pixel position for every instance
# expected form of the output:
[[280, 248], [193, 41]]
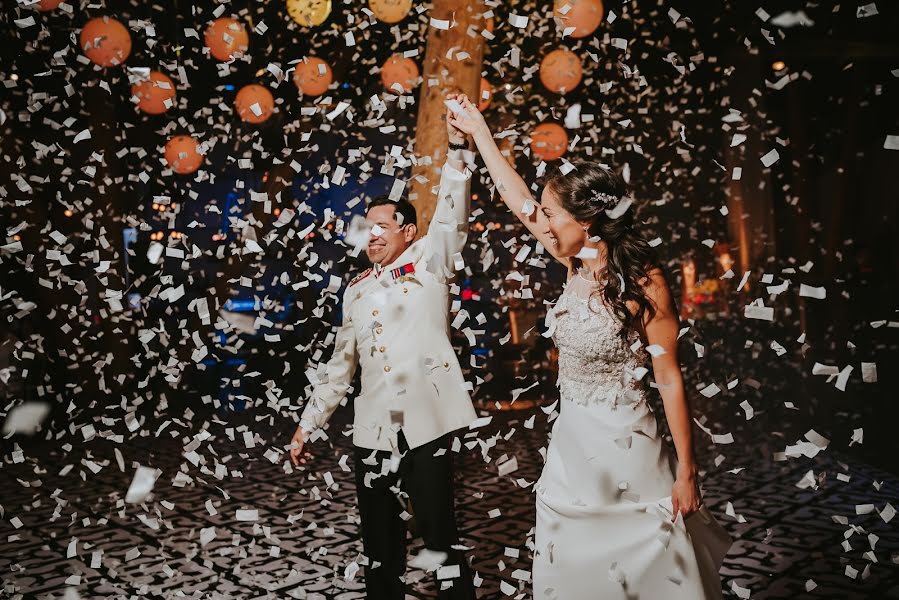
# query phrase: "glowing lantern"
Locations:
[[399, 72], [182, 152], [226, 39], [309, 13], [254, 103], [48, 5], [584, 15], [561, 71], [156, 94], [390, 11], [549, 141], [312, 76], [105, 41]]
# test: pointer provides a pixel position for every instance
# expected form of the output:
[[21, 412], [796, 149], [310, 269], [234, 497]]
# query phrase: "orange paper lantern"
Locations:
[[561, 71], [549, 141], [309, 13], [485, 95], [254, 103], [584, 15], [390, 11], [312, 76], [105, 41], [48, 5], [153, 93], [227, 38], [399, 71], [182, 152]]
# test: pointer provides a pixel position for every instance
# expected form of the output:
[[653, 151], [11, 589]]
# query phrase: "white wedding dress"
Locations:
[[604, 529]]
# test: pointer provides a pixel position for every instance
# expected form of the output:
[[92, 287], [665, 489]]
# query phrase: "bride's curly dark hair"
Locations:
[[589, 193]]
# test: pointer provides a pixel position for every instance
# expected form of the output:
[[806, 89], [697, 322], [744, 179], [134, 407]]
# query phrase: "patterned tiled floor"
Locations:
[[68, 532]]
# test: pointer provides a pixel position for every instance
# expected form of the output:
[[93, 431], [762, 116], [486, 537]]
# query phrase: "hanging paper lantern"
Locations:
[[254, 103], [154, 95], [182, 152], [399, 71], [560, 71], [48, 5], [390, 11], [312, 76], [584, 15], [105, 41], [309, 13], [485, 95], [227, 38], [549, 141]]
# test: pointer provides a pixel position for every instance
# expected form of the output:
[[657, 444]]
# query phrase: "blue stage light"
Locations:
[[240, 305]]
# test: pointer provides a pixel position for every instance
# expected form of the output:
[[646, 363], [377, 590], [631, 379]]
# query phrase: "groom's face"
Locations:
[[387, 238]]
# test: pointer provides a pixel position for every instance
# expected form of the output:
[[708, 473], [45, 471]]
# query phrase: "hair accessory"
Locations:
[[606, 199]]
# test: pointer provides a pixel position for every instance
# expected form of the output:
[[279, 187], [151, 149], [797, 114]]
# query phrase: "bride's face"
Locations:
[[567, 235]]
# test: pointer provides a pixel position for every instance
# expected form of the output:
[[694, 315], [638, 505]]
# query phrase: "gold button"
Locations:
[[374, 313], [446, 365], [382, 348], [358, 295], [405, 290], [379, 330], [387, 368]]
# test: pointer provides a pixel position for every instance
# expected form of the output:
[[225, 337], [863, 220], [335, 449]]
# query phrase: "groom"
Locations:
[[414, 396]]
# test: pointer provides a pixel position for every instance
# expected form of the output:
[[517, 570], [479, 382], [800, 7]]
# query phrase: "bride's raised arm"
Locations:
[[511, 187]]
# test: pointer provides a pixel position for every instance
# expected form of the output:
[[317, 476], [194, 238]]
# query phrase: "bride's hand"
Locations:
[[471, 121], [685, 495]]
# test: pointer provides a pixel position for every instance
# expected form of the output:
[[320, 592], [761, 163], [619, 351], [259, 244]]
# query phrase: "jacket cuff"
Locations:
[[308, 427]]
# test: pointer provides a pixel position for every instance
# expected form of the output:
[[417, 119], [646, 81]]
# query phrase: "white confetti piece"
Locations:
[[518, 21], [655, 350], [439, 23], [763, 313], [770, 158], [25, 418], [84, 135], [141, 485], [866, 10], [812, 292], [247, 515]]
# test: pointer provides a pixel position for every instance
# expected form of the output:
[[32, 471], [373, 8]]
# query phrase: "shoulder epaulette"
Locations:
[[360, 277]]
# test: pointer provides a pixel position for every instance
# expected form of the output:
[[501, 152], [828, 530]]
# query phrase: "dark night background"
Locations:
[[666, 110]]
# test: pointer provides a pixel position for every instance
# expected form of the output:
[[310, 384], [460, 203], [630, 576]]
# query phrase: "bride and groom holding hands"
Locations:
[[617, 515]]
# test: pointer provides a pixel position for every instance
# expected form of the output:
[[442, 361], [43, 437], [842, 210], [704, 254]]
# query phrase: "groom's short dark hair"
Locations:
[[402, 206]]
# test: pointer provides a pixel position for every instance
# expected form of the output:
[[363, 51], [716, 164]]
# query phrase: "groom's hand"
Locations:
[[296, 449], [470, 121], [453, 133]]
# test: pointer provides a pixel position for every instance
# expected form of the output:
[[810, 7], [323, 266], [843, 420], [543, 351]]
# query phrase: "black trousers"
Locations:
[[428, 481]]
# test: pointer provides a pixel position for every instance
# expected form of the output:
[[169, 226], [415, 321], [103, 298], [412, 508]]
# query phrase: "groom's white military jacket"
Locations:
[[396, 326]]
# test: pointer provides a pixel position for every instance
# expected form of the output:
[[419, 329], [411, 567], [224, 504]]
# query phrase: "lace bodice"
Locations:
[[595, 364]]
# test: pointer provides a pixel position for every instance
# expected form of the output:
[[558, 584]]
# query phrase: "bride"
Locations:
[[617, 515]]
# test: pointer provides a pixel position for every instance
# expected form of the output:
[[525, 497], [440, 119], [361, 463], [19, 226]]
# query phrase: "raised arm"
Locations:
[[511, 187], [448, 231]]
